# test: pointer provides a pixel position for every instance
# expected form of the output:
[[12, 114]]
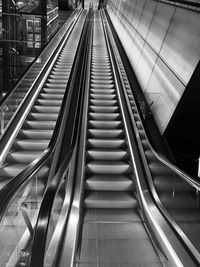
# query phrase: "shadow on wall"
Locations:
[[163, 45]]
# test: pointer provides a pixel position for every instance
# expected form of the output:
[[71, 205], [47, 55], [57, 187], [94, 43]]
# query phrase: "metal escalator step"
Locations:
[[43, 116], [108, 167], [139, 125], [103, 91], [180, 200], [51, 96], [103, 102], [60, 77], [171, 184], [142, 134], [145, 144], [49, 102], [30, 144], [104, 109], [101, 72], [22, 156], [100, 67], [136, 116], [104, 116], [104, 124], [157, 168], [62, 72], [11, 170], [112, 215], [55, 80], [109, 183], [101, 75], [105, 154], [150, 156], [41, 125], [102, 86], [102, 81], [53, 85], [35, 134], [107, 143], [46, 109], [53, 91], [106, 133], [103, 96], [110, 199]]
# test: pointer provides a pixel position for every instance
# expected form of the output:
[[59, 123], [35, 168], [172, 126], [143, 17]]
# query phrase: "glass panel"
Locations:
[[16, 229], [54, 227], [181, 201]]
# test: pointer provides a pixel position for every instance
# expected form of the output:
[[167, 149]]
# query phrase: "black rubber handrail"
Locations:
[[10, 189], [41, 228]]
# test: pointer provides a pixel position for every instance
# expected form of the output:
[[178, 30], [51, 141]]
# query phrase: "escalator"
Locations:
[[37, 128], [124, 204], [112, 231]]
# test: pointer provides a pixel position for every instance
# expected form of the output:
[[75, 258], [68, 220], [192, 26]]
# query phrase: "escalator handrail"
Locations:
[[9, 190], [67, 24], [41, 228]]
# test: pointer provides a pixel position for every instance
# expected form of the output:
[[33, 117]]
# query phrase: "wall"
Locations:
[[163, 44]]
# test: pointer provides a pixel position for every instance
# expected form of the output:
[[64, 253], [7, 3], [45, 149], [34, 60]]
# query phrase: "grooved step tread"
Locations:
[[105, 154], [51, 102], [107, 143], [108, 167], [106, 124], [43, 116], [48, 125], [104, 116], [46, 109], [106, 133], [11, 170], [23, 156], [36, 134], [109, 183], [30, 144], [51, 96], [103, 96], [104, 109], [110, 199]]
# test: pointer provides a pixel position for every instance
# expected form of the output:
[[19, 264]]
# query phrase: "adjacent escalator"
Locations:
[[37, 128], [176, 193]]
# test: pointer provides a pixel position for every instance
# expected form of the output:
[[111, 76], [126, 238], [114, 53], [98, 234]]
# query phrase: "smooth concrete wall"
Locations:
[[163, 44]]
